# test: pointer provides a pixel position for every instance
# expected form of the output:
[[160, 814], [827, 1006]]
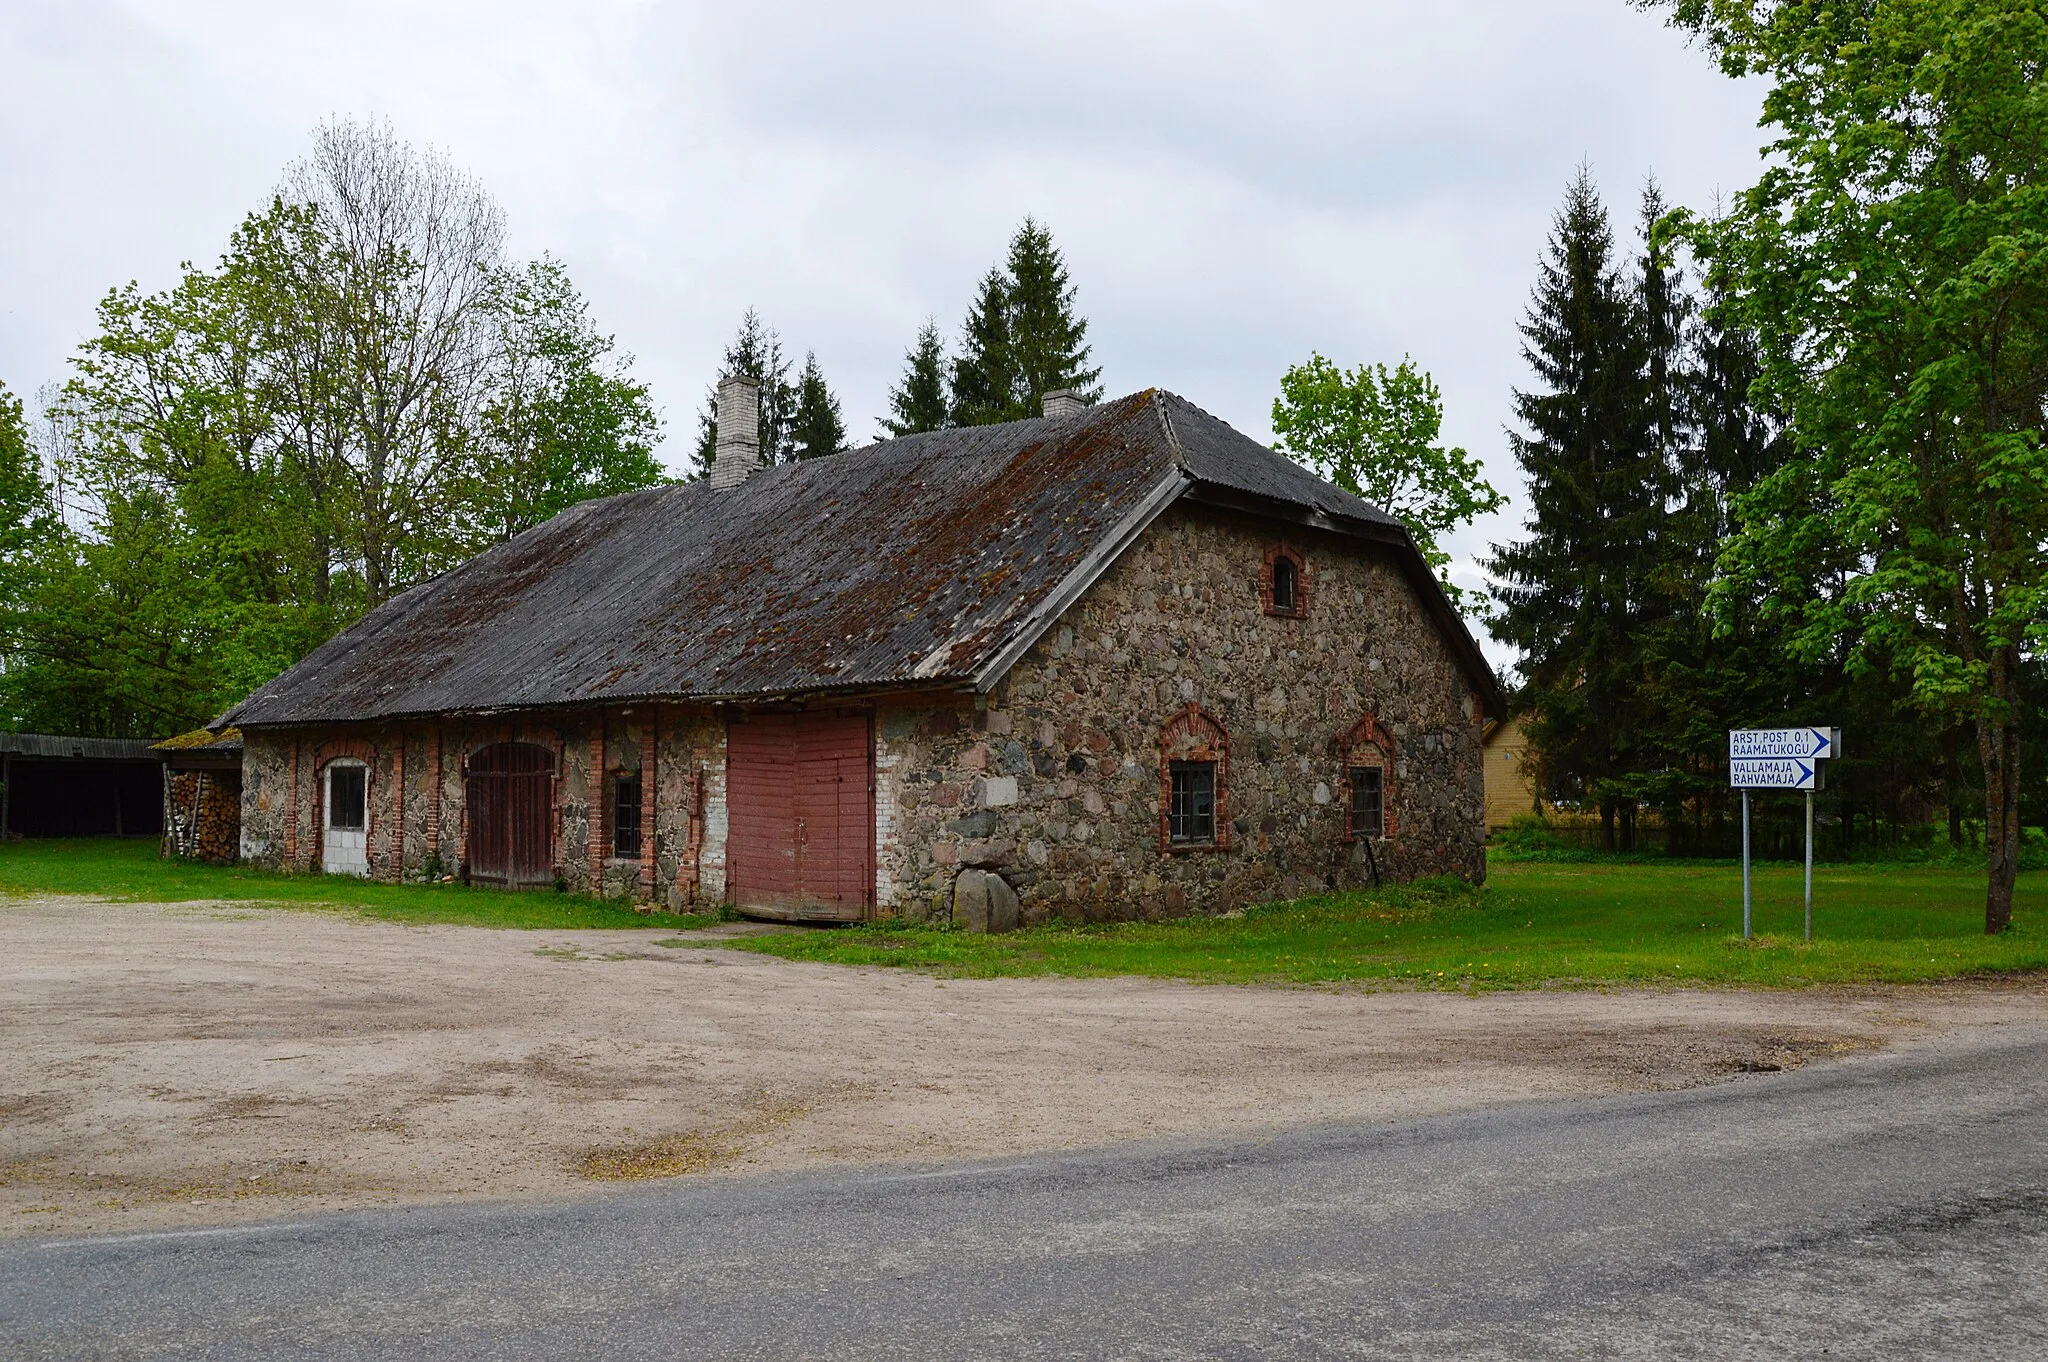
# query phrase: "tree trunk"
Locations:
[[1998, 740], [1607, 825]]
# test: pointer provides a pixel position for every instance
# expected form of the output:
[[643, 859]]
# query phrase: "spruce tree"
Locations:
[[756, 351], [985, 370], [815, 428], [1048, 340], [1573, 593], [919, 401], [1022, 338]]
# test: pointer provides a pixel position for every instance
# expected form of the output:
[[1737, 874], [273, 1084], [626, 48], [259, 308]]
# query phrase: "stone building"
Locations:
[[1118, 661]]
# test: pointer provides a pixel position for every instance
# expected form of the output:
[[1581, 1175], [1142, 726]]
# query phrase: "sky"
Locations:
[[1234, 186]]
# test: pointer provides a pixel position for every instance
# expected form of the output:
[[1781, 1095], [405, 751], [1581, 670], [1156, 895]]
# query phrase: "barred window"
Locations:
[[626, 815], [1191, 815], [1368, 802]]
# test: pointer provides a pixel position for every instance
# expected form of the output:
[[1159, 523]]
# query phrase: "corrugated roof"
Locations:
[[90, 749], [919, 561]]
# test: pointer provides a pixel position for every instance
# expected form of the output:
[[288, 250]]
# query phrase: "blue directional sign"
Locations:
[[1806, 744], [1773, 773]]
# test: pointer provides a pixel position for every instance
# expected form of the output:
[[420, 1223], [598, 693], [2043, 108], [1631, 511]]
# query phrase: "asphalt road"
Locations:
[[1893, 1206]]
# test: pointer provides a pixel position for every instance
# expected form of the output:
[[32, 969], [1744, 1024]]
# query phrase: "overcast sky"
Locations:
[[1234, 185]]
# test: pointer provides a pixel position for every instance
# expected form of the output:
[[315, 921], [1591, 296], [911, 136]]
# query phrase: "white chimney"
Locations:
[[738, 453], [1061, 403]]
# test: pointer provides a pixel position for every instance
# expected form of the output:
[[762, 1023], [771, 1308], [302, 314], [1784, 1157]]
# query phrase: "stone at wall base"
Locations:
[[1002, 905], [984, 903]]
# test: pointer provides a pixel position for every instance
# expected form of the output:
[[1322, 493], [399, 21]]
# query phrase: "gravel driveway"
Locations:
[[209, 1063]]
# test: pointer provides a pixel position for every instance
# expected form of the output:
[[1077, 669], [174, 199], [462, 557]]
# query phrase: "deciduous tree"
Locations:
[[1893, 262], [1378, 433]]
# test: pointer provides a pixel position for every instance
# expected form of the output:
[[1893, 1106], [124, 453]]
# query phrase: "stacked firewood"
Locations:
[[203, 817]]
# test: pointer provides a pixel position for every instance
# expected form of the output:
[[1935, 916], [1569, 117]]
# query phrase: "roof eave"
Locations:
[[1083, 575]]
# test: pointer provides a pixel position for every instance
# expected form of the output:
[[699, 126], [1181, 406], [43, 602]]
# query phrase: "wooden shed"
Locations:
[[53, 785]]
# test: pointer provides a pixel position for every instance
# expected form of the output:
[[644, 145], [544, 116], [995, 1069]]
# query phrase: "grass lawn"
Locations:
[[131, 869], [1534, 925]]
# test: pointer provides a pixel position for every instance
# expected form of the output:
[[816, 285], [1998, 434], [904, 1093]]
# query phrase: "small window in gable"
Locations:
[[1285, 578], [1283, 583]]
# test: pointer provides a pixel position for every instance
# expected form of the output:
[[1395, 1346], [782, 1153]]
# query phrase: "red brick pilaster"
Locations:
[[596, 847], [650, 784], [433, 819], [291, 810], [397, 866]]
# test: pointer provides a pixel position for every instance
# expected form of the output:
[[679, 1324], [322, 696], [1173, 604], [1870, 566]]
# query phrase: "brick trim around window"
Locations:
[[1192, 735], [1367, 743], [1299, 561]]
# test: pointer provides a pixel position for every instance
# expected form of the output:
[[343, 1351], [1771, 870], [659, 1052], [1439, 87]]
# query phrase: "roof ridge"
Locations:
[[1180, 453]]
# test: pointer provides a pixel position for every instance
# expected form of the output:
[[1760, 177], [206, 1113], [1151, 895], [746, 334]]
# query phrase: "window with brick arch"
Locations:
[[1194, 783], [1368, 802], [626, 815], [1369, 780], [1283, 582]]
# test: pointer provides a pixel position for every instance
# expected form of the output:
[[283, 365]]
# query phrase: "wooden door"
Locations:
[[509, 797], [800, 815]]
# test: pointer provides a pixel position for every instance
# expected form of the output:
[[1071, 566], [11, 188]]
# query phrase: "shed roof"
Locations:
[[931, 560], [65, 746]]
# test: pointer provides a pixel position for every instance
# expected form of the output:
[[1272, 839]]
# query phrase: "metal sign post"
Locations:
[[1809, 865], [1745, 864], [1779, 759]]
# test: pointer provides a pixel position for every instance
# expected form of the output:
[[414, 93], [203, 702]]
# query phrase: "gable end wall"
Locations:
[[1056, 783]]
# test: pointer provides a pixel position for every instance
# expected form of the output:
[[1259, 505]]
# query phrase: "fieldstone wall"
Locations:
[[1056, 783], [417, 808]]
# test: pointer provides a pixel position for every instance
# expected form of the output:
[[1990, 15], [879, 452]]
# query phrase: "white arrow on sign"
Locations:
[[1805, 743], [1771, 773]]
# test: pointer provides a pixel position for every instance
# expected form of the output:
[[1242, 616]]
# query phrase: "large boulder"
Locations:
[[1002, 904], [970, 900], [983, 902]]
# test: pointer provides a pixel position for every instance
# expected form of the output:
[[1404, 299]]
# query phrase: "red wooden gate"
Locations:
[[800, 815], [509, 791]]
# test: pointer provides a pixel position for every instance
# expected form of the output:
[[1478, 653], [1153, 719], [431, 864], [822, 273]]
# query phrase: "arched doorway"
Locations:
[[509, 794]]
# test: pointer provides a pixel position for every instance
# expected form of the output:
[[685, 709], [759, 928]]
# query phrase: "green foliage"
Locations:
[[1377, 433], [918, 403], [359, 396], [815, 429], [1533, 926], [1577, 595], [27, 521], [1023, 337], [1893, 261], [1048, 338], [565, 421], [985, 371]]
